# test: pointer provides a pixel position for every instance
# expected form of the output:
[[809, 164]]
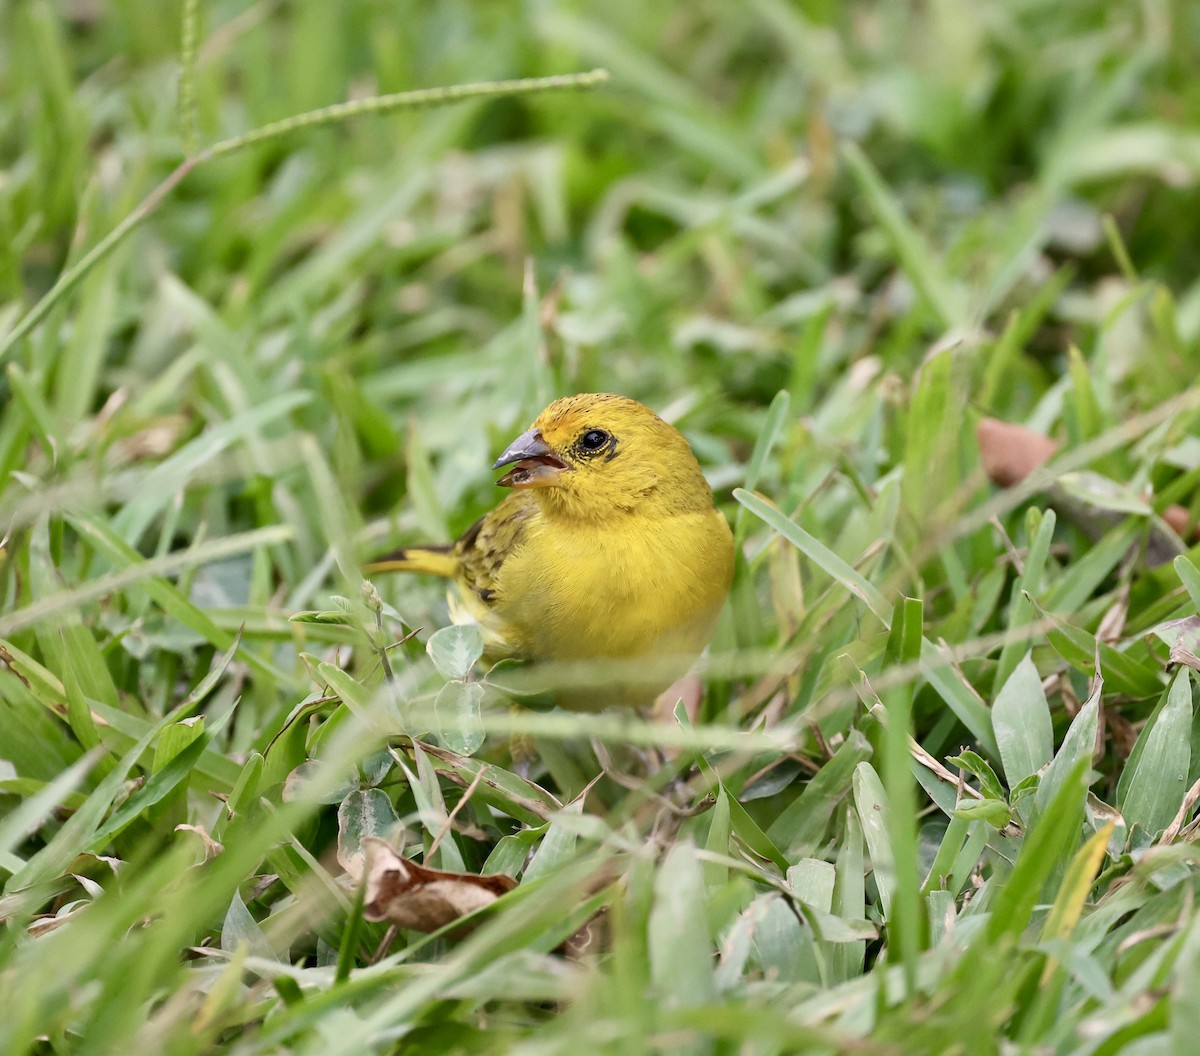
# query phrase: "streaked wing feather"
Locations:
[[483, 548]]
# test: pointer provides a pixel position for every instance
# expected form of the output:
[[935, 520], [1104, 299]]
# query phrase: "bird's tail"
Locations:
[[432, 560]]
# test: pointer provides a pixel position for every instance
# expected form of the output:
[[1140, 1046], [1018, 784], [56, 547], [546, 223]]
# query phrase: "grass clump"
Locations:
[[939, 792]]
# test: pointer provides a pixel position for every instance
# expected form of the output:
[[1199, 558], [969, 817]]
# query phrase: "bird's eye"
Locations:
[[594, 440]]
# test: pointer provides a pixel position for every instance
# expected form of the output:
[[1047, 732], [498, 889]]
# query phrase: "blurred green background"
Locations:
[[695, 235], [903, 216]]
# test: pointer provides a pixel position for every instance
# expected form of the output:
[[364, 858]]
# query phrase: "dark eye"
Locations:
[[594, 440]]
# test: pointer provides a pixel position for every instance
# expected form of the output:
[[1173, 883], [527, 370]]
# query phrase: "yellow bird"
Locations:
[[606, 567]]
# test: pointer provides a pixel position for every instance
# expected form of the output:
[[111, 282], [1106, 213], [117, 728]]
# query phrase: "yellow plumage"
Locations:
[[608, 564]]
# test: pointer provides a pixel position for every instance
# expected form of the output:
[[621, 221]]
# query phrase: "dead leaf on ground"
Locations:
[[157, 438], [1122, 732], [1181, 522], [420, 899], [212, 847], [592, 937], [1011, 452], [1184, 639]]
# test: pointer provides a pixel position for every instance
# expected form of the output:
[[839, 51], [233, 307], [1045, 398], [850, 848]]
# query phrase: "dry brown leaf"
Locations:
[[212, 847], [420, 899], [1186, 646], [594, 936], [1171, 832], [688, 689], [156, 439], [1112, 623], [1122, 732], [1181, 522], [6, 658], [1182, 655], [45, 923], [1011, 452]]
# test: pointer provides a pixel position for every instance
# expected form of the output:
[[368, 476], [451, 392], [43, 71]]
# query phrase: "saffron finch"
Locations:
[[608, 564]]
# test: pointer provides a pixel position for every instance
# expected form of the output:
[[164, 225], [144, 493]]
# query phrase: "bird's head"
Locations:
[[598, 455]]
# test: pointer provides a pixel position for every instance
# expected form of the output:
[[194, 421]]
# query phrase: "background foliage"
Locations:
[[824, 239]]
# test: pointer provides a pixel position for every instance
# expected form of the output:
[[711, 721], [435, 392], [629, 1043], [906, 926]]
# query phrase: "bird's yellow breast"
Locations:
[[632, 588]]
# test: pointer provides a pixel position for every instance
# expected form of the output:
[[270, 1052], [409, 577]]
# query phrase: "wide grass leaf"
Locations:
[[1078, 745], [240, 928], [871, 802], [679, 944], [803, 824], [1021, 719], [1155, 778], [558, 845], [1189, 576]]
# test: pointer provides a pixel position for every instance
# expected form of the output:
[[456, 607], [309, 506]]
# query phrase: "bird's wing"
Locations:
[[488, 543], [479, 556]]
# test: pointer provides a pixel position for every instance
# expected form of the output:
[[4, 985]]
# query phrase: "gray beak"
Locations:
[[528, 445]]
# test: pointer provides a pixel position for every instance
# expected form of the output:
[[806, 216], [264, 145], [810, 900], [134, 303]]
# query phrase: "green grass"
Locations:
[[937, 796]]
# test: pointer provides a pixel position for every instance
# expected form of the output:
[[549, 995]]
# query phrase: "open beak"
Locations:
[[537, 466]]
